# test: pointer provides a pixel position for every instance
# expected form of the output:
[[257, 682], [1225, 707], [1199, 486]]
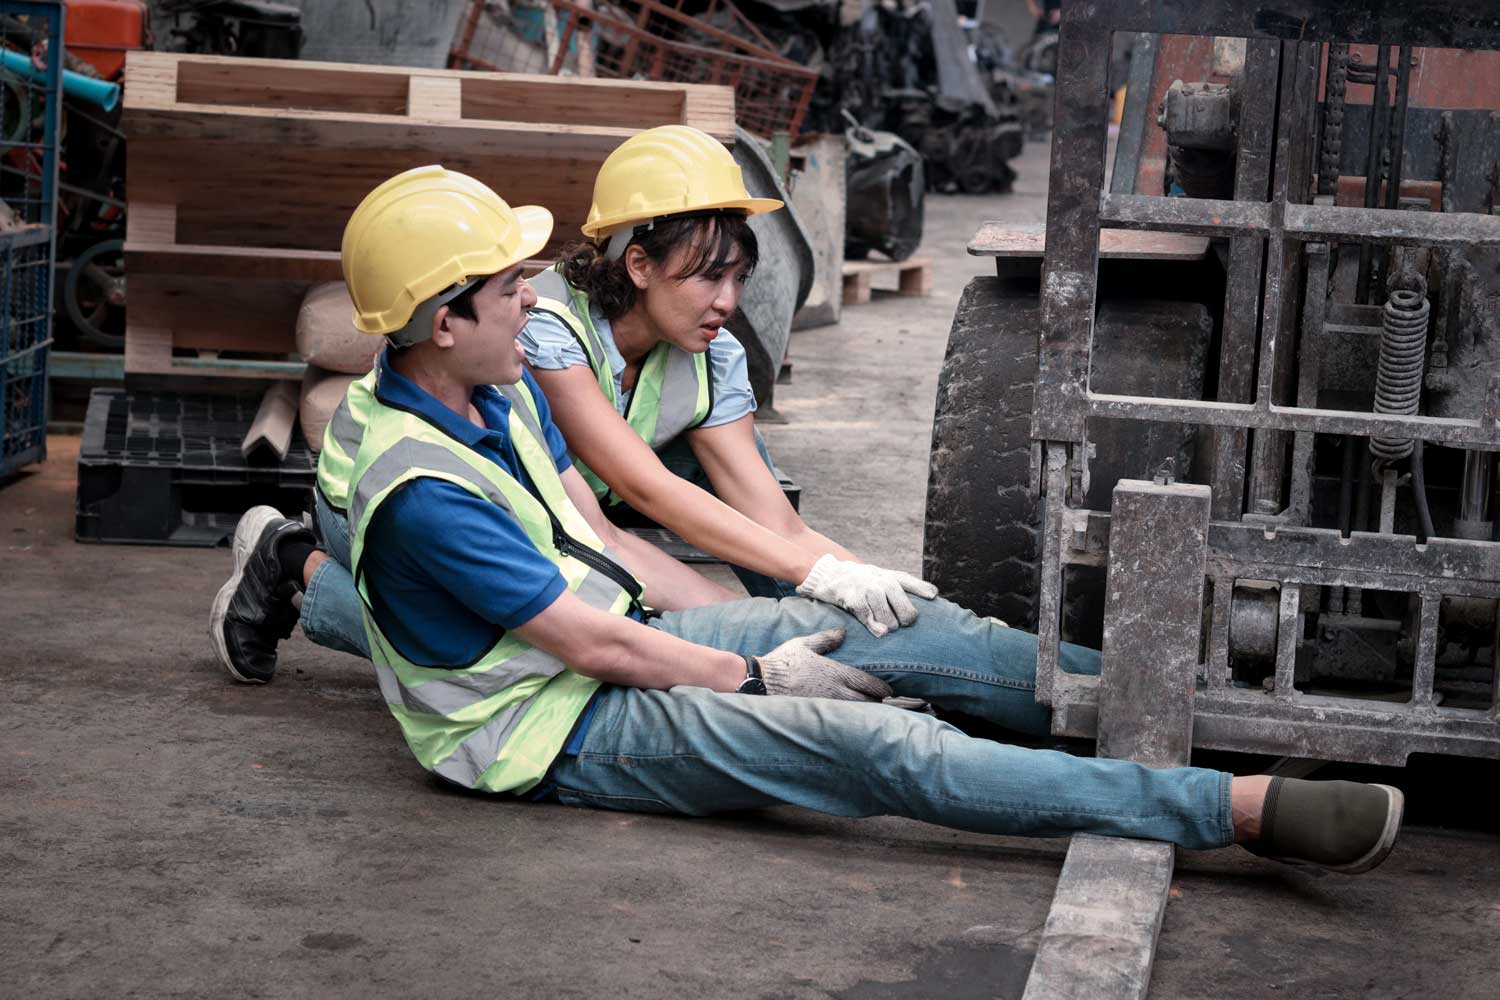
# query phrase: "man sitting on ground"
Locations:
[[522, 654]]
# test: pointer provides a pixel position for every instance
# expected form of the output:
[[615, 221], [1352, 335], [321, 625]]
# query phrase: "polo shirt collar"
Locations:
[[396, 390]]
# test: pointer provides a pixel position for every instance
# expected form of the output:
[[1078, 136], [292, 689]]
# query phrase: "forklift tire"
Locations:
[[982, 541]]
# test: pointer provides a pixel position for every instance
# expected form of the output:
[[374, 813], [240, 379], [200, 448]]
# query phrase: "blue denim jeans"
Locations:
[[696, 752], [679, 460], [693, 751], [331, 615]]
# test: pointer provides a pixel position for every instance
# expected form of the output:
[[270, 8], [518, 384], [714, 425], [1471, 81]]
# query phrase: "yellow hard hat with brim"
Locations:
[[664, 171], [424, 233]]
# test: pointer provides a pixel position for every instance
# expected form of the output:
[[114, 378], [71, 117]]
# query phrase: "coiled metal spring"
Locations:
[[1398, 381]]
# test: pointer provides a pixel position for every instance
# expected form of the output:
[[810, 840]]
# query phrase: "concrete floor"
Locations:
[[166, 833]]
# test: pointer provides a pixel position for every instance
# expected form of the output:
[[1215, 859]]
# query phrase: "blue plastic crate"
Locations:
[[30, 103], [25, 333]]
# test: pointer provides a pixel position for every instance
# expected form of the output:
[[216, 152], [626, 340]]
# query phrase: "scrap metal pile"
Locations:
[[946, 86], [905, 66]]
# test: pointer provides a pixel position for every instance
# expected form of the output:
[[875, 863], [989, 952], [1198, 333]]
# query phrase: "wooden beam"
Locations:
[[151, 222], [164, 80], [1005, 239], [1099, 942], [435, 97]]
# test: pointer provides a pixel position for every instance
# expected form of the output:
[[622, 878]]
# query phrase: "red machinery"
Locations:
[[100, 32]]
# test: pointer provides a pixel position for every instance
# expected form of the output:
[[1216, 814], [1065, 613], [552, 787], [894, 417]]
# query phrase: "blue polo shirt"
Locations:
[[447, 571]]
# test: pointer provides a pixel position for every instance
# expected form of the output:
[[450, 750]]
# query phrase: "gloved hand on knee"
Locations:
[[876, 596], [798, 667]]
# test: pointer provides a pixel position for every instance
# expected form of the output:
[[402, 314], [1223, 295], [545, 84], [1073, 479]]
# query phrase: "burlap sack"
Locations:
[[322, 392], [325, 332]]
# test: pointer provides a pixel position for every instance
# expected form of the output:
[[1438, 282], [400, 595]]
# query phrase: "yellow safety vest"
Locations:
[[497, 723]]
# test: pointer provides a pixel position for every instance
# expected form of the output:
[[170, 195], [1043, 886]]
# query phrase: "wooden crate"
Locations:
[[243, 172], [913, 277]]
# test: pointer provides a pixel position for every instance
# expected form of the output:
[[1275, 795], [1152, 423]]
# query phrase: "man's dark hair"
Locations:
[[713, 243], [462, 305]]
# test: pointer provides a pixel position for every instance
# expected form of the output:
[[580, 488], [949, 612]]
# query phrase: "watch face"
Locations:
[[751, 685]]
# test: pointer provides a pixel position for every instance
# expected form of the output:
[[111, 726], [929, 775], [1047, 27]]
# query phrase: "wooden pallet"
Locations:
[[243, 173], [913, 277]]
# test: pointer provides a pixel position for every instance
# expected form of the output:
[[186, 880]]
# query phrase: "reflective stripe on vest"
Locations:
[[341, 441], [673, 392], [495, 724]]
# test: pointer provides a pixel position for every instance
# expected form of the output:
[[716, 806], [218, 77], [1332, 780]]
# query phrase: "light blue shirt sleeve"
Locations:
[[733, 397], [550, 345]]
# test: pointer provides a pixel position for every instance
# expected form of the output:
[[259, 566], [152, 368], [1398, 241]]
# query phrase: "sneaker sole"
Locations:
[[1396, 806], [1382, 848], [246, 534]]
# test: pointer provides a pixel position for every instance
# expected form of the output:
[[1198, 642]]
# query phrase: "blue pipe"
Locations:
[[106, 95]]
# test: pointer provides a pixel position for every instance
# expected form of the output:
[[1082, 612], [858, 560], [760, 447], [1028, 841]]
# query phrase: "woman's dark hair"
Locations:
[[713, 243]]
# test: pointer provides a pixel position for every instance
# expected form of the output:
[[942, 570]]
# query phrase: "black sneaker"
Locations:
[[253, 610], [1343, 826]]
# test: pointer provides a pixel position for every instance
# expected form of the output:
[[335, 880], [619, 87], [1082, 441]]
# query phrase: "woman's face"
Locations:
[[688, 312]]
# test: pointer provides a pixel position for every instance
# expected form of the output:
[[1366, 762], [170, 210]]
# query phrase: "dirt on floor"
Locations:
[[165, 832]]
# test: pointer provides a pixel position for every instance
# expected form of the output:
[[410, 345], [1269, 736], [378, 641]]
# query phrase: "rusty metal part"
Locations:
[[1253, 620], [1335, 84], [1151, 634]]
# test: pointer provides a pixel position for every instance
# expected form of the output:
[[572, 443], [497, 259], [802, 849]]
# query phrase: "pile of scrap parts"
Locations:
[[912, 67], [243, 173], [946, 84]]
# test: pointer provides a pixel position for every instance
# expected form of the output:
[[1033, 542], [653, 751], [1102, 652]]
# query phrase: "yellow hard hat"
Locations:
[[666, 171], [425, 231]]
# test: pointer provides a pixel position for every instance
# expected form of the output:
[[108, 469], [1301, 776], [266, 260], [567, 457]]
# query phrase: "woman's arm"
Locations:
[[602, 440], [741, 479], [670, 585]]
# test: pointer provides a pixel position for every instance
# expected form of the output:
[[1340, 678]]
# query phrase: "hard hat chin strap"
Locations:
[[419, 327]]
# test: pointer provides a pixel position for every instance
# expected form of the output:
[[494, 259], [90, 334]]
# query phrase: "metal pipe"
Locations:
[[1419, 491], [1474, 503], [1346, 483], [1474, 497]]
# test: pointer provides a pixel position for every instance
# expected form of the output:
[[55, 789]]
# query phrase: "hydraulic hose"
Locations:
[[1419, 491]]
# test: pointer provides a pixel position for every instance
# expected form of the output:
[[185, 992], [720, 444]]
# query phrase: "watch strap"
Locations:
[[753, 683]]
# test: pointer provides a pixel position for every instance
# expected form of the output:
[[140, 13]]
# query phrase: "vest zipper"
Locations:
[[596, 561]]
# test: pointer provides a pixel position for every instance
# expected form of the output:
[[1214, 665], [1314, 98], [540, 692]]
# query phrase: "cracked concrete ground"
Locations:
[[166, 833]]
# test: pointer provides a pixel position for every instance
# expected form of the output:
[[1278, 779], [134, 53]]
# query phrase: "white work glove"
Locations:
[[877, 597], [798, 667]]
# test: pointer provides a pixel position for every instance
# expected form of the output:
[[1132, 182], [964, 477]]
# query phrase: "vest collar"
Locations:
[[399, 392]]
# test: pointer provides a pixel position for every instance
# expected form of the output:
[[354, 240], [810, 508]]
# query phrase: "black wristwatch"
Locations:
[[753, 682]]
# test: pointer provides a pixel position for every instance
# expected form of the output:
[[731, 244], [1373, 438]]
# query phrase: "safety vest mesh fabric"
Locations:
[[495, 724], [341, 441], [673, 392]]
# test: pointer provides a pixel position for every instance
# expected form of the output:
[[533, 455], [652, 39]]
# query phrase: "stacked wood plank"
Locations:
[[242, 173]]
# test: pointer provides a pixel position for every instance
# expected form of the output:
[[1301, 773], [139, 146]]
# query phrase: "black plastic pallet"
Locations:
[[166, 469]]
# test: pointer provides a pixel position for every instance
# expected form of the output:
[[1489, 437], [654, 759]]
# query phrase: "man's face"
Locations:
[[485, 348]]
